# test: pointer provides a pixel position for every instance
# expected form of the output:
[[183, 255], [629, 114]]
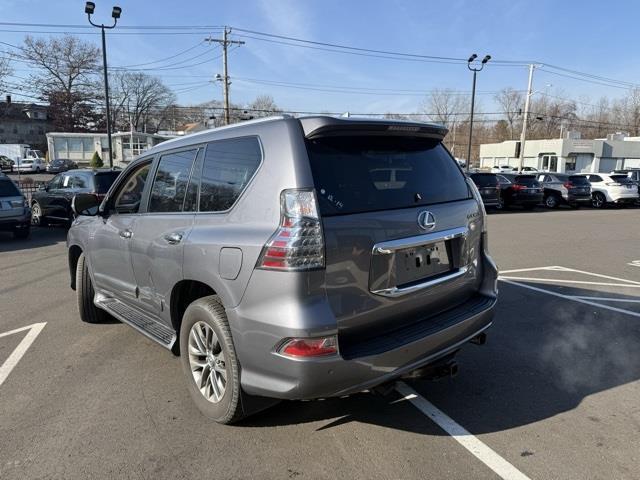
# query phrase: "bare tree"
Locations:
[[446, 107], [66, 78], [5, 71], [510, 102], [136, 100], [263, 106]]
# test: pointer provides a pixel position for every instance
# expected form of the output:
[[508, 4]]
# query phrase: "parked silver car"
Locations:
[[291, 258]]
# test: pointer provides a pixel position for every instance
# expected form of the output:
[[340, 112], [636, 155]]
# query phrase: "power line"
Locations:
[[160, 60]]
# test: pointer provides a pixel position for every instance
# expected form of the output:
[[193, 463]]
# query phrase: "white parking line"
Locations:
[[581, 282], [480, 450], [573, 299], [16, 355], [634, 263], [606, 299]]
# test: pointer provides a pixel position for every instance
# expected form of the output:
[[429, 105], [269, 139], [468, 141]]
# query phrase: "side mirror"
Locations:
[[85, 204]]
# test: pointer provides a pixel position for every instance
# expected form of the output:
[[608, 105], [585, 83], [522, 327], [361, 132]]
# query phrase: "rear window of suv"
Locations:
[[579, 180], [484, 179], [8, 189], [527, 181], [354, 174], [621, 179]]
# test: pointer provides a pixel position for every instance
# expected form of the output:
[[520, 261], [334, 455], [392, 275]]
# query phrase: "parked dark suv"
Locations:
[[52, 203], [61, 165], [522, 190], [562, 188], [289, 258], [489, 188]]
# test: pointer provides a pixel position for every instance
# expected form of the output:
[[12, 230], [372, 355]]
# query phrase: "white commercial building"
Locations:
[[80, 147], [571, 154]]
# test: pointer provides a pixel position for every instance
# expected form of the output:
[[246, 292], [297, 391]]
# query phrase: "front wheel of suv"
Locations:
[[598, 200], [89, 313], [209, 361]]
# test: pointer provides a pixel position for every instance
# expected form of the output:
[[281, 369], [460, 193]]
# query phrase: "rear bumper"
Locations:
[[529, 199], [579, 198], [16, 223], [256, 331]]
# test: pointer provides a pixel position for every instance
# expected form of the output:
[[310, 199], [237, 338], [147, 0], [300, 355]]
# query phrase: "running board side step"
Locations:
[[151, 329]]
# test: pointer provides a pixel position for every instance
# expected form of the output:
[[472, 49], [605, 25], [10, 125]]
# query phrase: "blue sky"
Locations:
[[583, 35]]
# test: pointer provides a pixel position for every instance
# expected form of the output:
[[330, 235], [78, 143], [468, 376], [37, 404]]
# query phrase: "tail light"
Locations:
[[517, 186], [298, 243], [309, 347], [568, 185]]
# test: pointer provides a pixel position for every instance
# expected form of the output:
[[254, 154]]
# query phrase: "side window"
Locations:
[[79, 181], [55, 182], [129, 194], [191, 198], [595, 178], [170, 184], [228, 167], [67, 181]]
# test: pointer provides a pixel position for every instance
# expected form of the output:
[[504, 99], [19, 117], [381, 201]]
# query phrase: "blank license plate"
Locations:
[[419, 263]]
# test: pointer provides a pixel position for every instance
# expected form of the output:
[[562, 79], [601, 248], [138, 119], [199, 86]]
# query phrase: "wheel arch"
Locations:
[[183, 294]]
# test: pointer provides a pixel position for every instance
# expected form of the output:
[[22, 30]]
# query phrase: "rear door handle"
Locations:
[[173, 238], [126, 233]]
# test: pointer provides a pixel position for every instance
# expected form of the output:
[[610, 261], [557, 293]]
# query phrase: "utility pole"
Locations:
[[523, 135], [225, 42]]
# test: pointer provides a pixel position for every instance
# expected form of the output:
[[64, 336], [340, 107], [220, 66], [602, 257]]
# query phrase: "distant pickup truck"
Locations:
[[20, 151]]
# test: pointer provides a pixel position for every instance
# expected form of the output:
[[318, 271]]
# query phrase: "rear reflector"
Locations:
[[309, 347], [298, 243]]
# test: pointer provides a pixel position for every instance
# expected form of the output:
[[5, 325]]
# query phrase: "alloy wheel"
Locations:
[[36, 214], [207, 362], [597, 200]]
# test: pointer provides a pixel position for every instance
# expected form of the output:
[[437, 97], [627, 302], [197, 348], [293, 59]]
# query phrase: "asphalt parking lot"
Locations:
[[553, 394]]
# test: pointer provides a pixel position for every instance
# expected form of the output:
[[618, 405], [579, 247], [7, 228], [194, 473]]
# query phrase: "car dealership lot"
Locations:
[[553, 394]]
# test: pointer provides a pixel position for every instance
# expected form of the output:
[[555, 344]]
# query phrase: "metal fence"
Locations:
[[29, 186]]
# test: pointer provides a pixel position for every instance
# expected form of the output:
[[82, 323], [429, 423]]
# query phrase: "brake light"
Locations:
[[309, 347], [517, 186], [568, 185], [298, 243]]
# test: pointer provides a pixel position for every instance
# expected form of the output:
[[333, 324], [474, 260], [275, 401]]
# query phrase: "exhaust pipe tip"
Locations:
[[479, 339]]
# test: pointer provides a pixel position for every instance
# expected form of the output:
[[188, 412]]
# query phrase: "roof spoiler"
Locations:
[[315, 127]]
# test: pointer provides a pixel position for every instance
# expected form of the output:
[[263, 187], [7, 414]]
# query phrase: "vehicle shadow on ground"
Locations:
[[40, 237], [543, 357]]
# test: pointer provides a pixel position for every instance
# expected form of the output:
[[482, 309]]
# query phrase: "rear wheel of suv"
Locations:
[[209, 361], [89, 313], [598, 200], [551, 201]]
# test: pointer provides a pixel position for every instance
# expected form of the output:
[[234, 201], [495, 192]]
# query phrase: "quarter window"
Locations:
[[170, 183], [129, 195], [228, 167]]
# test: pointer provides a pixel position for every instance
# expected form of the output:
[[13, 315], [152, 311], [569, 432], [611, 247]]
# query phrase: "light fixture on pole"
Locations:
[[475, 71], [89, 8]]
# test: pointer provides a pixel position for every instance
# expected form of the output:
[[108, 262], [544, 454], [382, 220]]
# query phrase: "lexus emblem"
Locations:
[[426, 220]]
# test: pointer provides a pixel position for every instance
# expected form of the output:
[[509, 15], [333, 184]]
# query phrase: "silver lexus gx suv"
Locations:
[[291, 258]]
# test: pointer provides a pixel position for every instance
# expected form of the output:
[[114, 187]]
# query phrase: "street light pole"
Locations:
[[473, 99], [115, 14]]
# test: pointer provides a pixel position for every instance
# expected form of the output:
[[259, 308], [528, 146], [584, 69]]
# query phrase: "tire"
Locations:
[[36, 215], [89, 313], [37, 169], [598, 200], [552, 201], [224, 402], [21, 234]]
